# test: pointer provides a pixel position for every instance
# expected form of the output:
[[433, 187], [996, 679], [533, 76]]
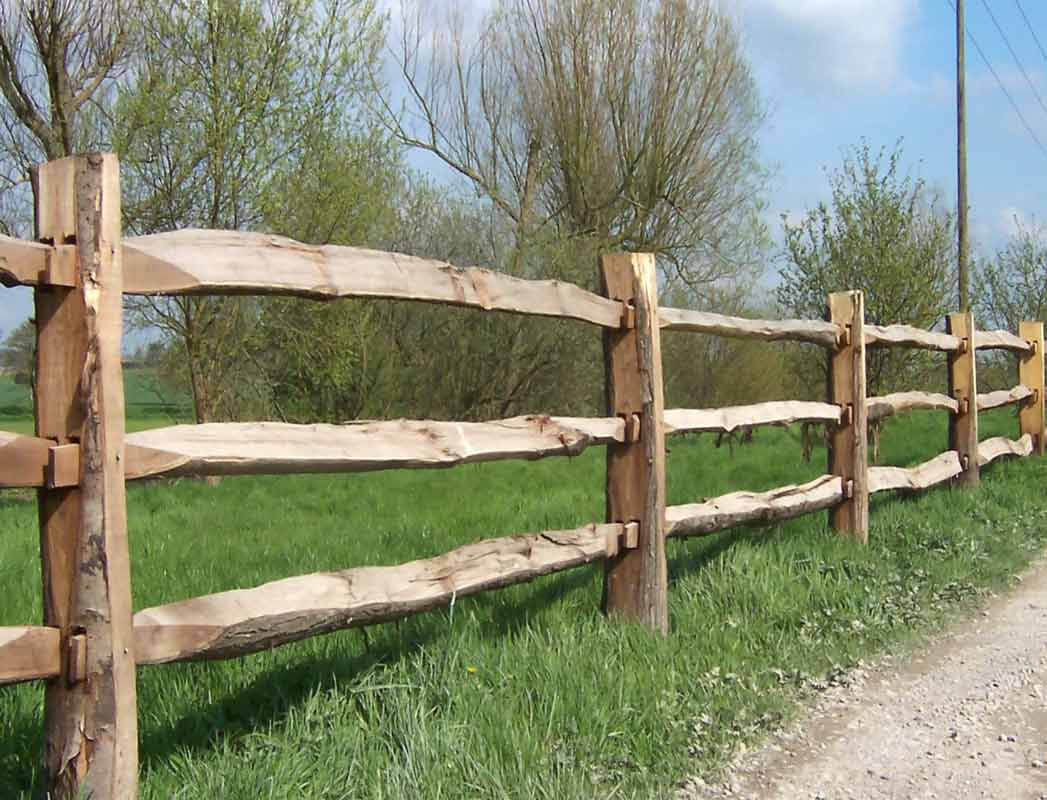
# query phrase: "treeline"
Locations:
[[565, 127]]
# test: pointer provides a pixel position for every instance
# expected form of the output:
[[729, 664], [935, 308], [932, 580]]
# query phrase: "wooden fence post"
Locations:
[[848, 444], [635, 580], [90, 715], [1030, 373], [963, 386]]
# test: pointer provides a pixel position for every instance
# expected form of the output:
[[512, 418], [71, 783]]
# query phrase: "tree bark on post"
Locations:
[[963, 387], [1030, 373], [848, 443], [91, 728], [635, 579]]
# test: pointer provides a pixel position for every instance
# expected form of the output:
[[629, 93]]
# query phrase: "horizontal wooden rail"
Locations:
[[825, 334], [938, 470], [1000, 340], [889, 404], [268, 448], [1004, 397], [34, 264], [685, 420], [234, 262], [743, 508], [242, 621], [998, 446], [272, 448], [29, 653], [908, 336]]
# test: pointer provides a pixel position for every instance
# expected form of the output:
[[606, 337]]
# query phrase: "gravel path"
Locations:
[[963, 718]]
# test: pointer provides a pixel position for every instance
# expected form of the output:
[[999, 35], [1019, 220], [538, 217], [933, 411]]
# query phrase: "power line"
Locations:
[[1032, 30], [1014, 55], [1003, 88]]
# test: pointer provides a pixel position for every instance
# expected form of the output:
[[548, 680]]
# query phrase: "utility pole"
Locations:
[[961, 160]]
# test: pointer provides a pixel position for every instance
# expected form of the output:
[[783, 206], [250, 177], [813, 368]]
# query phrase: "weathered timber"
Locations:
[[909, 336], [686, 420], [941, 468], [963, 387], [994, 448], [29, 653], [744, 508], [1031, 374], [23, 460], [636, 579], [90, 713], [234, 623], [848, 443], [256, 448], [1004, 397], [897, 402], [235, 262], [25, 263], [799, 330], [1001, 340]]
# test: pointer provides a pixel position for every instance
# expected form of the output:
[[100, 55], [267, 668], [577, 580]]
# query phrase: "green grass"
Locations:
[[527, 692]]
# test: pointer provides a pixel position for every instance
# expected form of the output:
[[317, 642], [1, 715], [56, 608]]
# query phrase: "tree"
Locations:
[[55, 57], [1012, 287], [883, 232], [630, 123], [230, 104], [18, 353]]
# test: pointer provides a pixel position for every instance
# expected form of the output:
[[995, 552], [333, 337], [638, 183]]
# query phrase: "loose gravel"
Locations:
[[963, 718]]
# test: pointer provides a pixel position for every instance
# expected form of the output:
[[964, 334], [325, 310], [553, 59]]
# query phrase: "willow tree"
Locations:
[[628, 123], [227, 104]]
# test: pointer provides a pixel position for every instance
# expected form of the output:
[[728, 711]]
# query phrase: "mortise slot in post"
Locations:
[[964, 347], [847, 415], [843, 338], [631, 434], [63, 466], [76, 659], [61, 267], [628, 321], [631, 535]]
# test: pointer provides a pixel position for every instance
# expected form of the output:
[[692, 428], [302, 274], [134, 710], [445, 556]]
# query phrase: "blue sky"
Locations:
[[834, 71]]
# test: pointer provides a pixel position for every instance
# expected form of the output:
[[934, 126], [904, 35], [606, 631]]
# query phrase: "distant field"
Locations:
[[526, 692]]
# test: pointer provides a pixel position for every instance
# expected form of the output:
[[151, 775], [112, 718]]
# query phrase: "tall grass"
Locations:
[[526, 692]]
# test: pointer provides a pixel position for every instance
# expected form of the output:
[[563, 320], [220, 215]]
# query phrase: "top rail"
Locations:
[[909, 336], [1001, 340], [235, 262]]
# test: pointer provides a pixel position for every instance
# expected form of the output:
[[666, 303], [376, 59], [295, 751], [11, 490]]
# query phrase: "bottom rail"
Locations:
[[991, 449], [938, 470], [242, 621]]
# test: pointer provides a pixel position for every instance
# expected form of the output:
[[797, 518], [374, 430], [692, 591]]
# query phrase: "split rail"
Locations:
[[90, 642]]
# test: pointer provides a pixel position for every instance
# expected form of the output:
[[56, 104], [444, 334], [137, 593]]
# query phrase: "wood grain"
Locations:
[[799, 330], [24, 263], [963, 387], [686, 420], [848, 444], [23, 460], [909, 336], [939, 469], [1031, 375], [998, 446], [259, 448], [1004, 397], [235, 262], [29, 653], [744, 508], [897, 402], [242, 621], [1001, 340], [636, 579]]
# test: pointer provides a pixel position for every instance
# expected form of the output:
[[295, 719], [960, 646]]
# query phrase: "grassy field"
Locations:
[[527, 692]]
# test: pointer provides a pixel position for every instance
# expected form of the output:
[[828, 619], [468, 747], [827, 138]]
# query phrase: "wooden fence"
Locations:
[[90, 642]]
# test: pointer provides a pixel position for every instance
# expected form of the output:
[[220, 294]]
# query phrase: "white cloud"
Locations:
[[828, 44]]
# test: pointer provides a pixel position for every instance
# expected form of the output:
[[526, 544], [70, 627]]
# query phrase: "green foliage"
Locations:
[[1012, 287], [885, 233]]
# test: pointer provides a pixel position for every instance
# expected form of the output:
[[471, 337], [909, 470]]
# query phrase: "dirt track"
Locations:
[[964, 718]]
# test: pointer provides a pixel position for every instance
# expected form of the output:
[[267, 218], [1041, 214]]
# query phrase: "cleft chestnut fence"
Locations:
[[91, 641]]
